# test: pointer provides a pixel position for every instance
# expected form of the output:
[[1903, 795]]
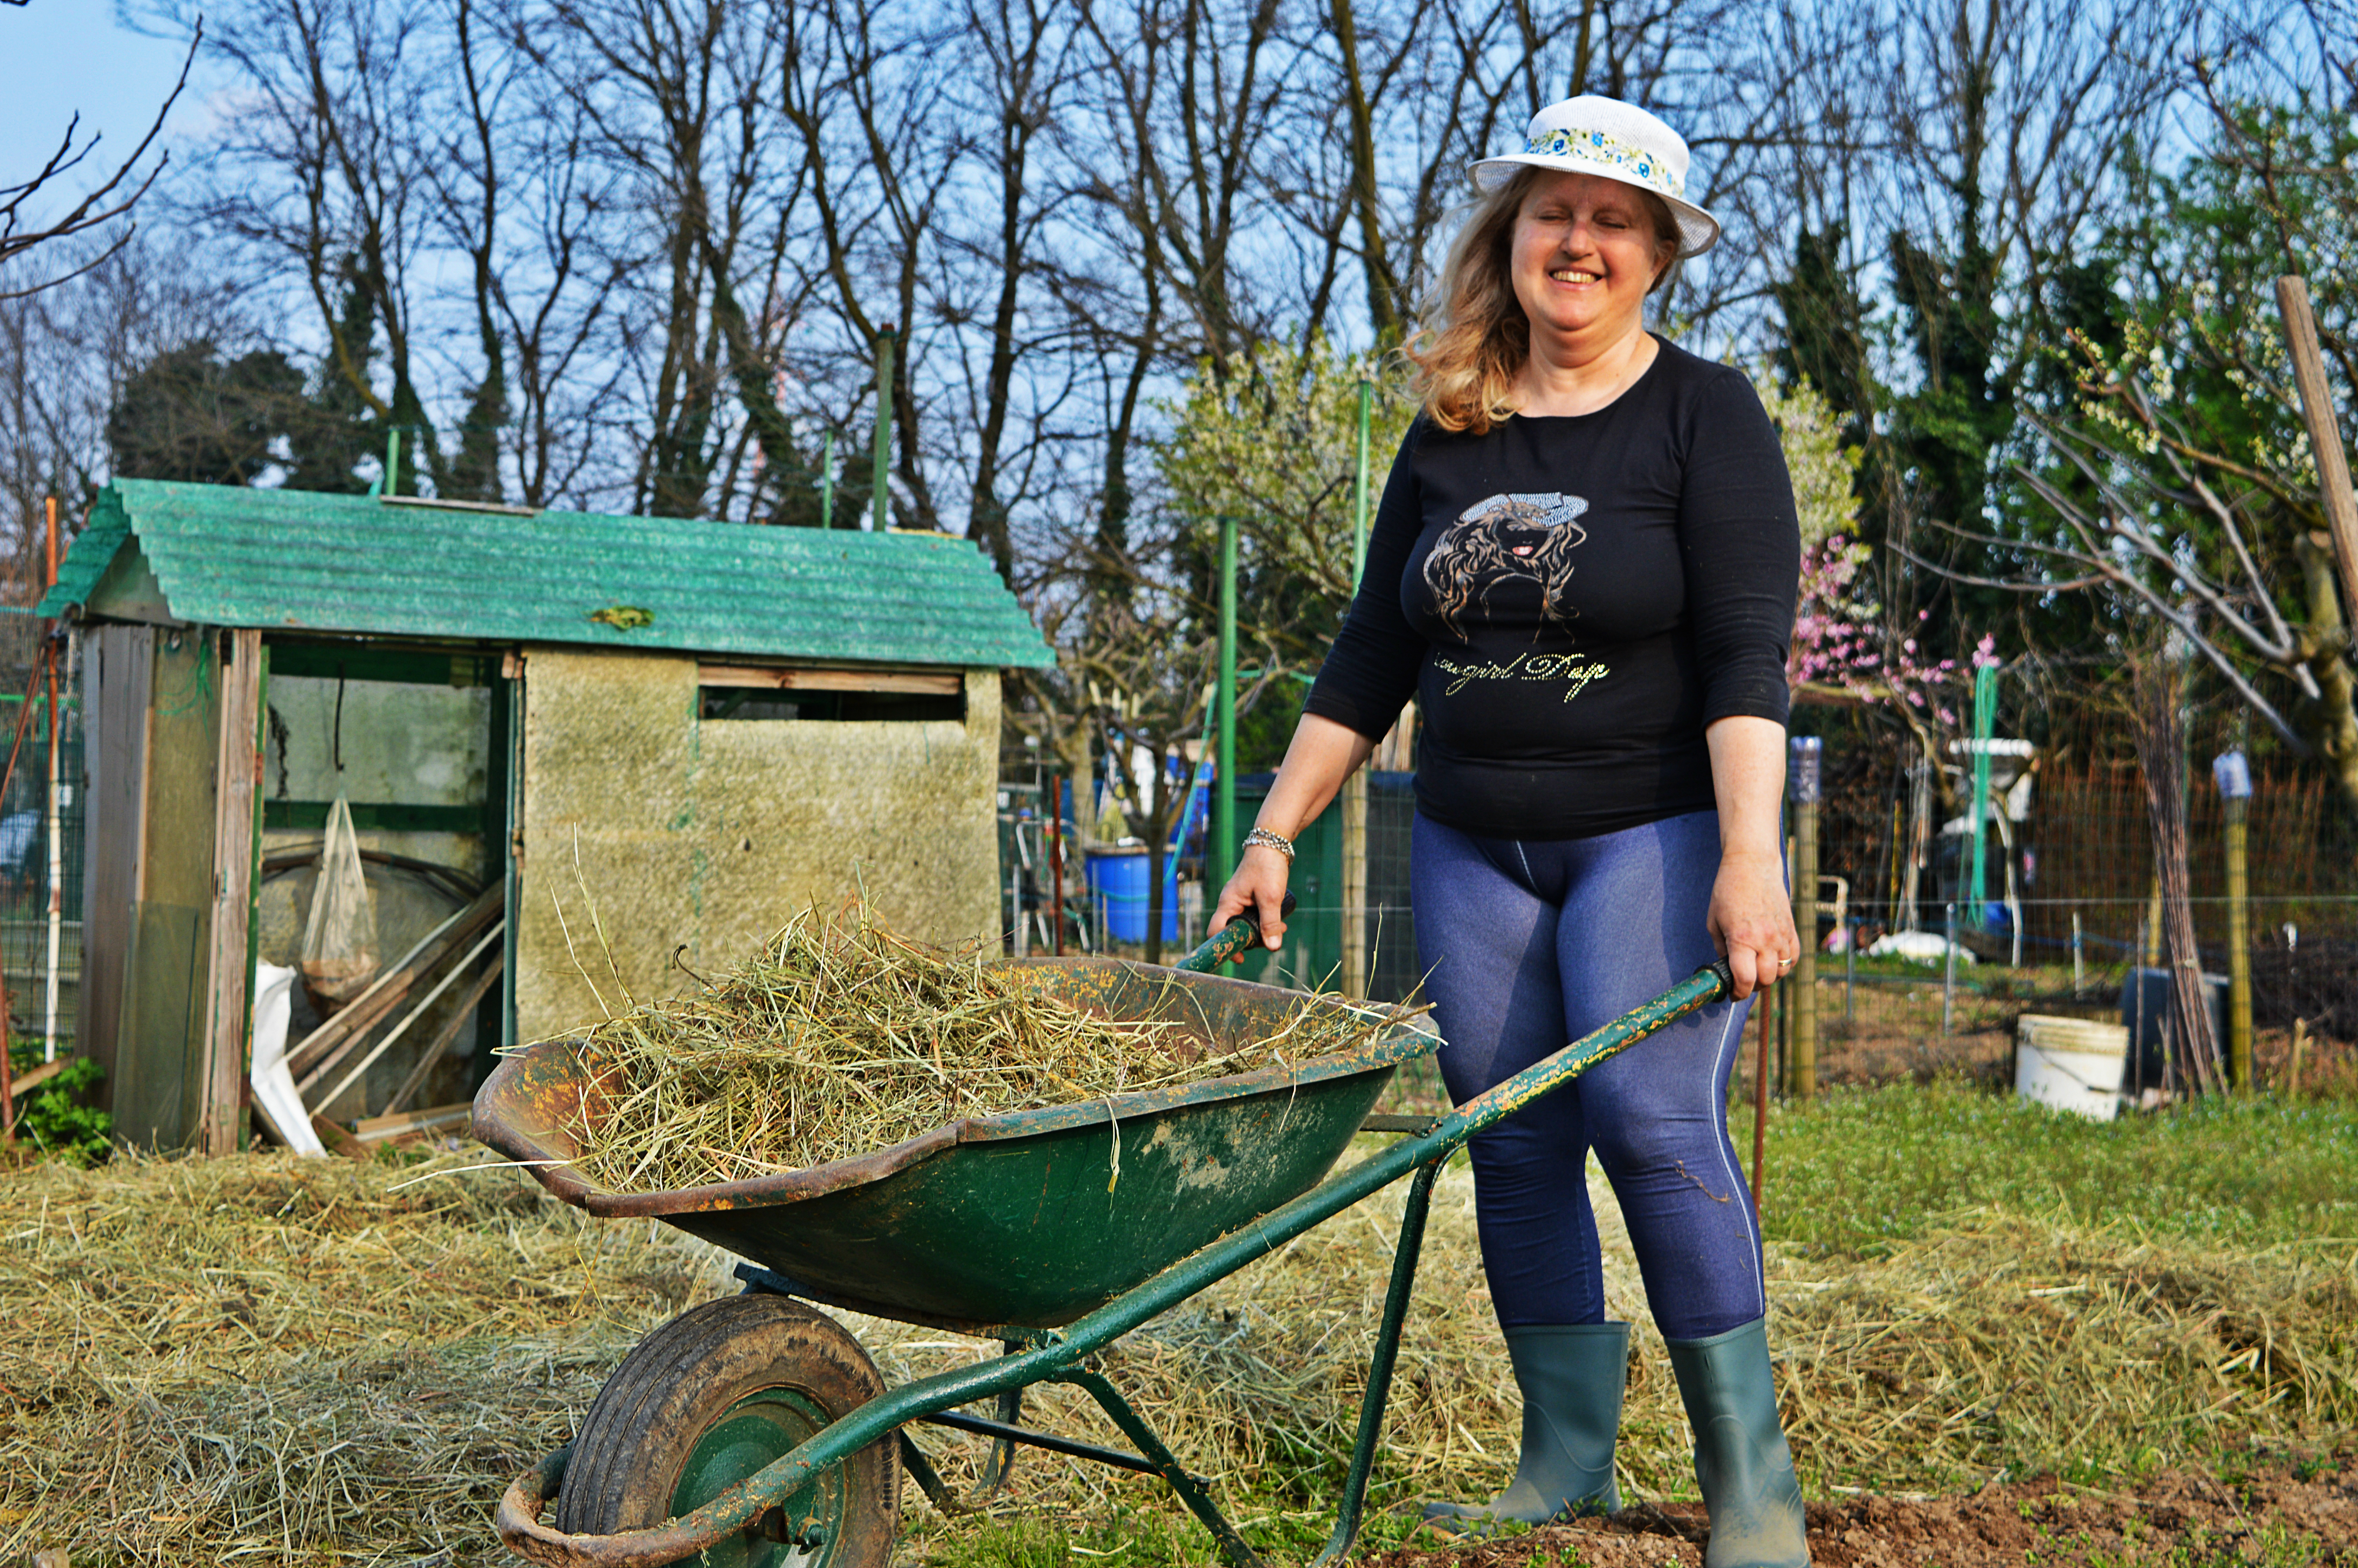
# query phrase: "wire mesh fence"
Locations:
[[41, 851], [2069, 860], [2067, 917]]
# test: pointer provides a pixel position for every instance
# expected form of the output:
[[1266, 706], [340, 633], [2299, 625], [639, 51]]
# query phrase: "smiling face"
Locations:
[[1585, 251]]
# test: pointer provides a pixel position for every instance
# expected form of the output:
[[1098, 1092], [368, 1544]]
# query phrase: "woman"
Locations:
[[1584, 565]]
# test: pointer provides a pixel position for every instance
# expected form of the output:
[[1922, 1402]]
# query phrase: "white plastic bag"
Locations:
[[340, 955], [275, 1100]]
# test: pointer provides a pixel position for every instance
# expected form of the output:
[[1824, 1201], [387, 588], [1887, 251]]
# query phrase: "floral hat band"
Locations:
[[1613, 140], [1632, 162]]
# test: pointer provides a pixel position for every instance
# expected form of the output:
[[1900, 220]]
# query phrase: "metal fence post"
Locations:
[[1850, 974], [880, 499], [1220, 853], [1949, 977], [1802, 775]]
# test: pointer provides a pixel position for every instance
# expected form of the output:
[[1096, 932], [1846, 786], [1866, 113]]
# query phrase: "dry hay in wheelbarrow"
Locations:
[[841, 1037]]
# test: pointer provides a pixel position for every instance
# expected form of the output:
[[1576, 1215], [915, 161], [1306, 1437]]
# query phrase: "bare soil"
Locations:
[[2288, 1516]]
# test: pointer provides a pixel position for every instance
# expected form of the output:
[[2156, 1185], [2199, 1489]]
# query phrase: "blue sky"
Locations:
[[64, 55]]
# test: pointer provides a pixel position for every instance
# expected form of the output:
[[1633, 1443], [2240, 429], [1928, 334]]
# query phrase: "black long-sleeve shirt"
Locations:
[[1573, 600]]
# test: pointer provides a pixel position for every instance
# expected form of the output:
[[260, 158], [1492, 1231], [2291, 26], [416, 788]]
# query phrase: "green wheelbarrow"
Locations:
[[754, 1429]]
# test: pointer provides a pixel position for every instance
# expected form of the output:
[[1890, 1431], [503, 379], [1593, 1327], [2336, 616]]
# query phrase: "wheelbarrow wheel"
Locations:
[[713, 1396]]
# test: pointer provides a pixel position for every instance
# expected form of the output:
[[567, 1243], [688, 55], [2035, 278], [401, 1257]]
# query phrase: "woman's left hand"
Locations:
[[1751, 922]]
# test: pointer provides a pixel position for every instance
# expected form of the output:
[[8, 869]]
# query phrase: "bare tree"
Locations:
[[515, 192], [65, 356], [99, 218]]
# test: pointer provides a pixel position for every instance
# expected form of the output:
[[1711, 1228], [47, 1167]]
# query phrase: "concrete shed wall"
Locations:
[[712, 835]]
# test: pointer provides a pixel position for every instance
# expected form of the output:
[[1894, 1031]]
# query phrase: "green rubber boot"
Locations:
[[1741, 1460], [1571, 1377]]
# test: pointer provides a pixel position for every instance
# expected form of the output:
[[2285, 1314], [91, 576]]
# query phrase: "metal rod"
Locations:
[[56, 836], [1984, 719], [24, 711], [1359, 487], [1355, 789], [1948, 976], [1802, 1001], [1850, 973], [1199, 1502], [1056, 857], [1380, 1370], [1049, 1441], [2239, 948], [2079, 970], [1759, 1096], [826, 482], [1221, 853], [880, 497], [2137, 1014]]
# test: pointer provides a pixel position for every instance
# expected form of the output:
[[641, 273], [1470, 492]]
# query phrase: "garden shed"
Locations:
[[598, 748]]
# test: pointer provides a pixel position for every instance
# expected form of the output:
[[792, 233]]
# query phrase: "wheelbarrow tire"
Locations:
[[717, 1393]]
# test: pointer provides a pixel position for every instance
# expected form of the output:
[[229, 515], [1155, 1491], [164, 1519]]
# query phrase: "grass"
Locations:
[[1864, 1168]]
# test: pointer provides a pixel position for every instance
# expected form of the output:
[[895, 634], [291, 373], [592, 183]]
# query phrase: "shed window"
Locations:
[[759, 693]]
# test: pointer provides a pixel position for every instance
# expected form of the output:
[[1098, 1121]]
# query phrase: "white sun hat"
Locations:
[[1613, 140]]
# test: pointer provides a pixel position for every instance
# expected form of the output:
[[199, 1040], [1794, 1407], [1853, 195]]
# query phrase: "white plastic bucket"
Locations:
[[2071, 1064]]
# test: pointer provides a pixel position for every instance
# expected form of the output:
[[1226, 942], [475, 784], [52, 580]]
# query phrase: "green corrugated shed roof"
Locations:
[[226, 555]]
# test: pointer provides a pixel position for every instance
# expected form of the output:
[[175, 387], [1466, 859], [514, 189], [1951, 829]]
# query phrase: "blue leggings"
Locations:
[[1529, 946]]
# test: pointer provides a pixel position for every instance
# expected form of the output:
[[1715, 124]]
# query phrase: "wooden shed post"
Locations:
[[229, 968]]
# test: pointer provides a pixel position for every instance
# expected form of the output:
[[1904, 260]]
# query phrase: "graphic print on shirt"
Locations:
[[1506, 538]]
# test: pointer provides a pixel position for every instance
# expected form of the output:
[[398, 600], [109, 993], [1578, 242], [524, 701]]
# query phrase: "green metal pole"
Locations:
[[1359, 487], [827, 484], [880, 498], [393, 460], [1985, 716], [1224, 782]]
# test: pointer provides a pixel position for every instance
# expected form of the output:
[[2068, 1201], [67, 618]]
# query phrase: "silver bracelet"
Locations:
[[1269, 840]]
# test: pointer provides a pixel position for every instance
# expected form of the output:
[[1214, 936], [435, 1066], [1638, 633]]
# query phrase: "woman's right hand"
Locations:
[[1257, 887], [1319, 759]]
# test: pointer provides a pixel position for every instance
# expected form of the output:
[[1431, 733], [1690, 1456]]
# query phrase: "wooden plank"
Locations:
[[153, 1087], [441, 1044], [159, 1072], [2324, 439], [238, 777], [372, 817], [118, 669], [930, 683], [26, 1083], [373, 1129]]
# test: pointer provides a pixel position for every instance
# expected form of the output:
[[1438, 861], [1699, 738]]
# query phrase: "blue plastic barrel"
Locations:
[[1119, 876]]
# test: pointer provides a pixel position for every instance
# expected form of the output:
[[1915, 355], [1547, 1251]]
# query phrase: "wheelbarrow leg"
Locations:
[[1198, 1501], [1379, 1371], [994, 1470], [1002, 1451]]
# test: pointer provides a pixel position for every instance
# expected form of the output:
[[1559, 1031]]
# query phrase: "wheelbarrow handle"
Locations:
[[1240, 934]]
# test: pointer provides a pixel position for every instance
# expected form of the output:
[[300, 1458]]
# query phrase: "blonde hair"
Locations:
[[1473, 337]]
